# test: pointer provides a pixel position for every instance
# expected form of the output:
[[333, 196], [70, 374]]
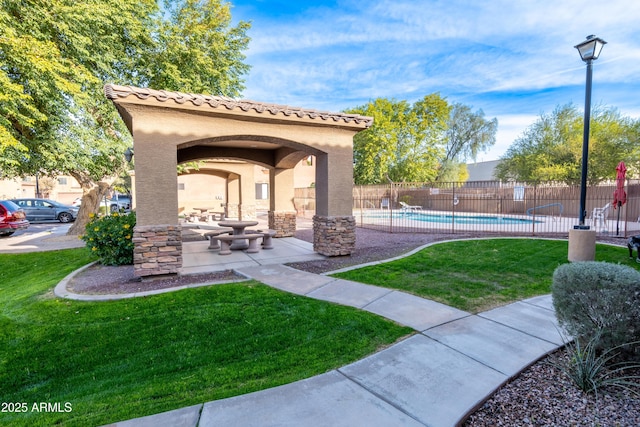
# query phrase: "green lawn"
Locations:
[[111, 361], [476, 275]]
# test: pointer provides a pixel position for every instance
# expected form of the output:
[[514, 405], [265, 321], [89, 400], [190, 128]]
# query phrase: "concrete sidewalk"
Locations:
[[434, 378], [40, 237]]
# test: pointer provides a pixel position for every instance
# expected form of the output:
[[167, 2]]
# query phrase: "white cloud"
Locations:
[[510, 128], [513, 59]]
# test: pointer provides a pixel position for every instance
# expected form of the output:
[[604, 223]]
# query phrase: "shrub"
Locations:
[[591, 370], [598, 298], [110, 237]]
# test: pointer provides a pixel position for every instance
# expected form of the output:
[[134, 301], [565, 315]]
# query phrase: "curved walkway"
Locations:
[[434, 378]]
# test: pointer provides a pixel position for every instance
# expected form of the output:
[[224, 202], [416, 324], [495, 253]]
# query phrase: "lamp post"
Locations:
[[37, 186], [589, 51], [582, 240]]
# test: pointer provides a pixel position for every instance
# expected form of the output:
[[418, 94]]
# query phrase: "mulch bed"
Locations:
[[111, 280]]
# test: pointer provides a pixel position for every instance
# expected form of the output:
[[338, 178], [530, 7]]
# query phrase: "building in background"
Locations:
[[209, 187], [195, 189], [64, 189], [482, 171]]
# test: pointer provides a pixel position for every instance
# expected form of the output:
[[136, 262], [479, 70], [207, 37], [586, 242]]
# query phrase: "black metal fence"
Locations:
[[509, 208]]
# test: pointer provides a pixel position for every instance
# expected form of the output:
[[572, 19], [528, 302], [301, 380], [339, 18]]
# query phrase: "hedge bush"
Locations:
[[110, 237], [594, 298]]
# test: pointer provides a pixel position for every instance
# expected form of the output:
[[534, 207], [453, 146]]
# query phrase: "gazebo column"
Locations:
[[233, 196], [241, 193], [334, 226], [157, 236], [247, 207], [282, 212]]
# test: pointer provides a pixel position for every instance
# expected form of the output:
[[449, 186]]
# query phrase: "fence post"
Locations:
[[390, 206], [453, 208], [360, 197], [535, 204]]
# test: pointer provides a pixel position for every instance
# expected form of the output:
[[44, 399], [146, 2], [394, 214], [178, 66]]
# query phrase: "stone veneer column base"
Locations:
[[334, 235], [157, 250], [284, 223], [232, 210], [248, 211]]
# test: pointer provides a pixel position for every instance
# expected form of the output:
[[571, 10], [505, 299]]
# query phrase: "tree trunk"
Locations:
[[90, 205]]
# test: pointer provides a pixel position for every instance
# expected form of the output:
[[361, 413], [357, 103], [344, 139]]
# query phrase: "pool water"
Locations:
[[457, 219]]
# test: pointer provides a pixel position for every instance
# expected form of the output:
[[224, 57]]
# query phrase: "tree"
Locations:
[[468, 133], [374, 148], [551, 148], [55, 57], [197, 49], [404, 142], [427, 141]]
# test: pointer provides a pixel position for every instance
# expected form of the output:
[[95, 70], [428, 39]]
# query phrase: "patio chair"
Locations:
[[599, 218], [406, 207], [384, 203]]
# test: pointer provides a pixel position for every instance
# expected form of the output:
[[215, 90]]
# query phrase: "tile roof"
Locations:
[[114, 92]]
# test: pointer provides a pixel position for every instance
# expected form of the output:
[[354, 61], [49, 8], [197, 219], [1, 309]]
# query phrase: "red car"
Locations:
[[12, 218]]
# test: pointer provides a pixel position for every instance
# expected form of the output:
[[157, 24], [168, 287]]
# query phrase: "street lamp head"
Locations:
[[590, 48]]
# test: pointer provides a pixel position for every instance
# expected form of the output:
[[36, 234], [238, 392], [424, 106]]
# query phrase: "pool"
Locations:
[[456, 219]]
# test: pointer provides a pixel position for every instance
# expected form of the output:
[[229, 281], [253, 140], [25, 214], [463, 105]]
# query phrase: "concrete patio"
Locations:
[[198, 258]]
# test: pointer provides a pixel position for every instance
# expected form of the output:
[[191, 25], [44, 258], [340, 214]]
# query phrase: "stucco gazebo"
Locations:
[[170, 128]]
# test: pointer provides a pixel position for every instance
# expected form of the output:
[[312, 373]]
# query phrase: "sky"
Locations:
[[513, 59]]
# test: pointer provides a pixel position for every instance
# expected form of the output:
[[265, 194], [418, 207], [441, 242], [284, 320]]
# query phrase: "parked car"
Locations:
[[121, 202], [47, 210], [12, 218]]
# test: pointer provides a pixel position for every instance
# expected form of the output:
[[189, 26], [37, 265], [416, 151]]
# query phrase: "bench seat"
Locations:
[[267, 235], [213, 236], [215, 216], [193, 216], [226, 240]]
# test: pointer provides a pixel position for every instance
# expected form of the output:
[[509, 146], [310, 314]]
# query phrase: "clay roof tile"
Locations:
[[114, 92]]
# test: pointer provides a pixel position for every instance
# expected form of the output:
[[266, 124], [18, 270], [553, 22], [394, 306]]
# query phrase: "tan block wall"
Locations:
[[582, 245], [156, 187], [246, 212], [201, 190], [334, 188]]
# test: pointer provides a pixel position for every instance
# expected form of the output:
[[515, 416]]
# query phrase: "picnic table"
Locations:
[[209, 214], [238, 230]]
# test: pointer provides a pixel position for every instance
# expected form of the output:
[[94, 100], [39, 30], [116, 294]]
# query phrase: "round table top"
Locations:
[[231, 223]]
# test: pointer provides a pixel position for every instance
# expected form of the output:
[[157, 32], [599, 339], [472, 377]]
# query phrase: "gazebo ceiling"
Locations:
[[236, 143], [248, 142]]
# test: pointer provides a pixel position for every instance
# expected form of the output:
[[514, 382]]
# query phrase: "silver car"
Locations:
[[47, 210]]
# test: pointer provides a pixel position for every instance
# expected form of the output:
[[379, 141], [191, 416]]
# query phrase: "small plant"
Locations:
[[598, 296], [110, 237], [591, 370]]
